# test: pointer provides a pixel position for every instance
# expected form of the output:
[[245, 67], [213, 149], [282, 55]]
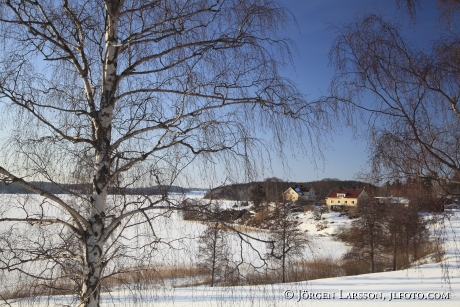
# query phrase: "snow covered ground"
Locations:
[[426, 285], [435, 284]]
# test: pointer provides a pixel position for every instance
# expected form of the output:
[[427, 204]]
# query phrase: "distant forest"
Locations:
[[14, 188], [274, 188]]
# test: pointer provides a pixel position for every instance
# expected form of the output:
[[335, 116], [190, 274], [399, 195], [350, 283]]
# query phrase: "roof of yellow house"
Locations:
[[349, 193]]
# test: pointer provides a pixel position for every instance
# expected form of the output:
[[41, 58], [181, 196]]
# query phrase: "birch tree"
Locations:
[[117, 94], [409, 92]]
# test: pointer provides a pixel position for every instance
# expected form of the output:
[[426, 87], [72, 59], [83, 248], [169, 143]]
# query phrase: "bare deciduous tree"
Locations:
[[412, 95], [405, 229], [382, 233], [214, 253], [288, 241], [124, 94], [366, 236]]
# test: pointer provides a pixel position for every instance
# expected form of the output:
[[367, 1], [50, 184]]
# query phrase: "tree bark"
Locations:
[[93, 249], [93, 241], [214, 254], [284, 254], [395, 250], [372, 252]]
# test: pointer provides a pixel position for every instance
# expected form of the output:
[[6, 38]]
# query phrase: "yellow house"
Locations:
[[299, 193], [348, 197]]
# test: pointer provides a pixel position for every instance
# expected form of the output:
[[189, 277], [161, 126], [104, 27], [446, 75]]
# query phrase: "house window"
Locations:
[[340, 195], [332, 201], [352, 201], [345, 201], [338, 201]]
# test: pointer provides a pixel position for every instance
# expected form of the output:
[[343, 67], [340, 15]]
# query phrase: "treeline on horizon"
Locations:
[[422, 192], [274, 188], [86, 188]]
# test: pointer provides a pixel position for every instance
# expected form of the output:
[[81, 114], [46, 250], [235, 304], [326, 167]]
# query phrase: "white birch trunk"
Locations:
[[94, 244]]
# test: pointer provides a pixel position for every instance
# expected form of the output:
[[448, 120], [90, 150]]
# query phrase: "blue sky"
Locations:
[[313, 74]]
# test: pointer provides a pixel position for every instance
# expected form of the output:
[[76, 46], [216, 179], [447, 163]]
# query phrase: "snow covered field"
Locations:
[[426, 285]]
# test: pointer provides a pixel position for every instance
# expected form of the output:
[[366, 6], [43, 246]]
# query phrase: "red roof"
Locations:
[[351, 193]]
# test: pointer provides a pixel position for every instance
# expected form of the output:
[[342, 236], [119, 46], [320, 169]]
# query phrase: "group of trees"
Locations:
[[381, 237], [384, 237], [286, 244], [421, 192]]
